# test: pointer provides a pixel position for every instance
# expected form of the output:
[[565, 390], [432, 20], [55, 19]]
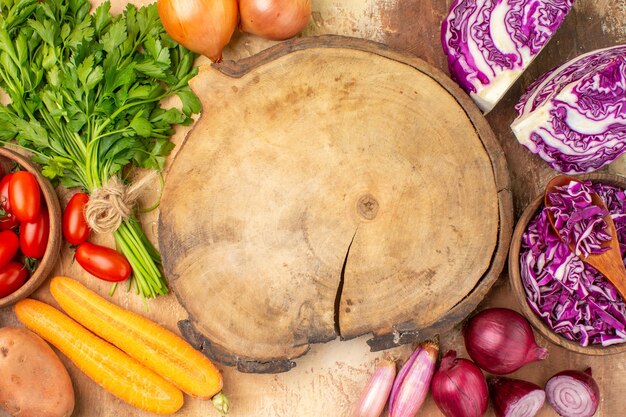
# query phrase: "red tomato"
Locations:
[[7, 220], [75, 228], [102, 262], [12, 277], [24, 195], [34, 235], [9, 245], [4, 192]]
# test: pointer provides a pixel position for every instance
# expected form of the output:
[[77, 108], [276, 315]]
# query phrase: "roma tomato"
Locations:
[[7, 220], [4, 192], [25, 196], [12, 277], [9, 245], [75, 228], [34, 235], [102, 262]]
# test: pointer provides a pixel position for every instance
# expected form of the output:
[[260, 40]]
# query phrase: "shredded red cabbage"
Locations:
[[572, 298], [579, 222]]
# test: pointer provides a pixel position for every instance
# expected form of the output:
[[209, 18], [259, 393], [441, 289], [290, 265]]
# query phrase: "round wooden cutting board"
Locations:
[[331, 188]]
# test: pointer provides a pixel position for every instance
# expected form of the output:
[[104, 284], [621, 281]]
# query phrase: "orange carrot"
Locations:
[[108, 366], [154, 346]]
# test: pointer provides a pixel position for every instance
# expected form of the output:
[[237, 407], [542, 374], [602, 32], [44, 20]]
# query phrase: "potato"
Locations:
[[34, 382]]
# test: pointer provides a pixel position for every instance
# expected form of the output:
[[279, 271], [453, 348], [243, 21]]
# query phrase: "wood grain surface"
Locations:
[[352, 175], [328, 379]]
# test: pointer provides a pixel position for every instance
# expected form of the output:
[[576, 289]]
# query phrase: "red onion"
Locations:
[[376, 392], [413, 381], [459, 388], [515, 398], [501, 341], [573, 393]]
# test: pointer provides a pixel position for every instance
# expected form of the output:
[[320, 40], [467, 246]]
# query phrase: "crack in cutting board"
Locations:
[[309, 149]]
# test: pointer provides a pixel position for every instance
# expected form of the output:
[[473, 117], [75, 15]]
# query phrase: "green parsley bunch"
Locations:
[[86, 91]]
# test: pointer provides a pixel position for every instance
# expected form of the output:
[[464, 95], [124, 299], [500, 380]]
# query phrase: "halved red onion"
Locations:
[[516, 398], [573, 393]]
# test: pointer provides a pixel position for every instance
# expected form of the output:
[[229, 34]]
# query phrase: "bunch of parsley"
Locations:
[[85, 91]]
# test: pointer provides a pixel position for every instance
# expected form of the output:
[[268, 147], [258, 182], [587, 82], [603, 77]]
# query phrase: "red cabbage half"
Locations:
[[574, 117], [572, 298], [489, 43], [579, 222]]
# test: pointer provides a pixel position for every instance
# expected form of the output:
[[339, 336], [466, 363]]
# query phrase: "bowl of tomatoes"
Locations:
[[30, 227]]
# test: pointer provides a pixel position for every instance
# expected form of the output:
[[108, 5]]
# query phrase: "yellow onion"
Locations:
[[203, 26], [274, 19]]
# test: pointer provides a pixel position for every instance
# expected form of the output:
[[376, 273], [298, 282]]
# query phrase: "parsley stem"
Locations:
[[148, 277], [138, 274], [127, 106], [86, 91], [134, 233], [113, 132]]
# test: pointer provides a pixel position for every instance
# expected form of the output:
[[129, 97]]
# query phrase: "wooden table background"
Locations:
[[328, 379]]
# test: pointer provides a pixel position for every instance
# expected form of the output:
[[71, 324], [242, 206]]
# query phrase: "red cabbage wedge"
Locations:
[[574, 117], [489, 43]]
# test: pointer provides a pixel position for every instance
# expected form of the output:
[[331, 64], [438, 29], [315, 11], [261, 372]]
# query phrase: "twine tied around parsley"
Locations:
[[113, 203]]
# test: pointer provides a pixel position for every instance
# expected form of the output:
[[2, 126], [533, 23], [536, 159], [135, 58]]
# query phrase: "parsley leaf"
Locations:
[[86, 92]]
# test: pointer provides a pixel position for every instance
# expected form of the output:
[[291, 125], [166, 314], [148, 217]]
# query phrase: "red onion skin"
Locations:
[[375, 394], [459, 388], [586, 380], [413, 381], [506, 392], [501, 341]]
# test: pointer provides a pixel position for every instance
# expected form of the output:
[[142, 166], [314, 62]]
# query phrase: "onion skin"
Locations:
[[374, 397], [570, 385], [202, 26], [413, 381], [274, 19], [459, 388], [514, 397], [501, 341]]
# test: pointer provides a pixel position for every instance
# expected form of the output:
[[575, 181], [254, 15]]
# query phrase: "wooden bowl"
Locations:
[[516, 278], [49, 260]]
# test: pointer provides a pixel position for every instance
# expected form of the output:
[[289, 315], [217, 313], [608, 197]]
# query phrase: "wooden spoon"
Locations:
[[609, 263]]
